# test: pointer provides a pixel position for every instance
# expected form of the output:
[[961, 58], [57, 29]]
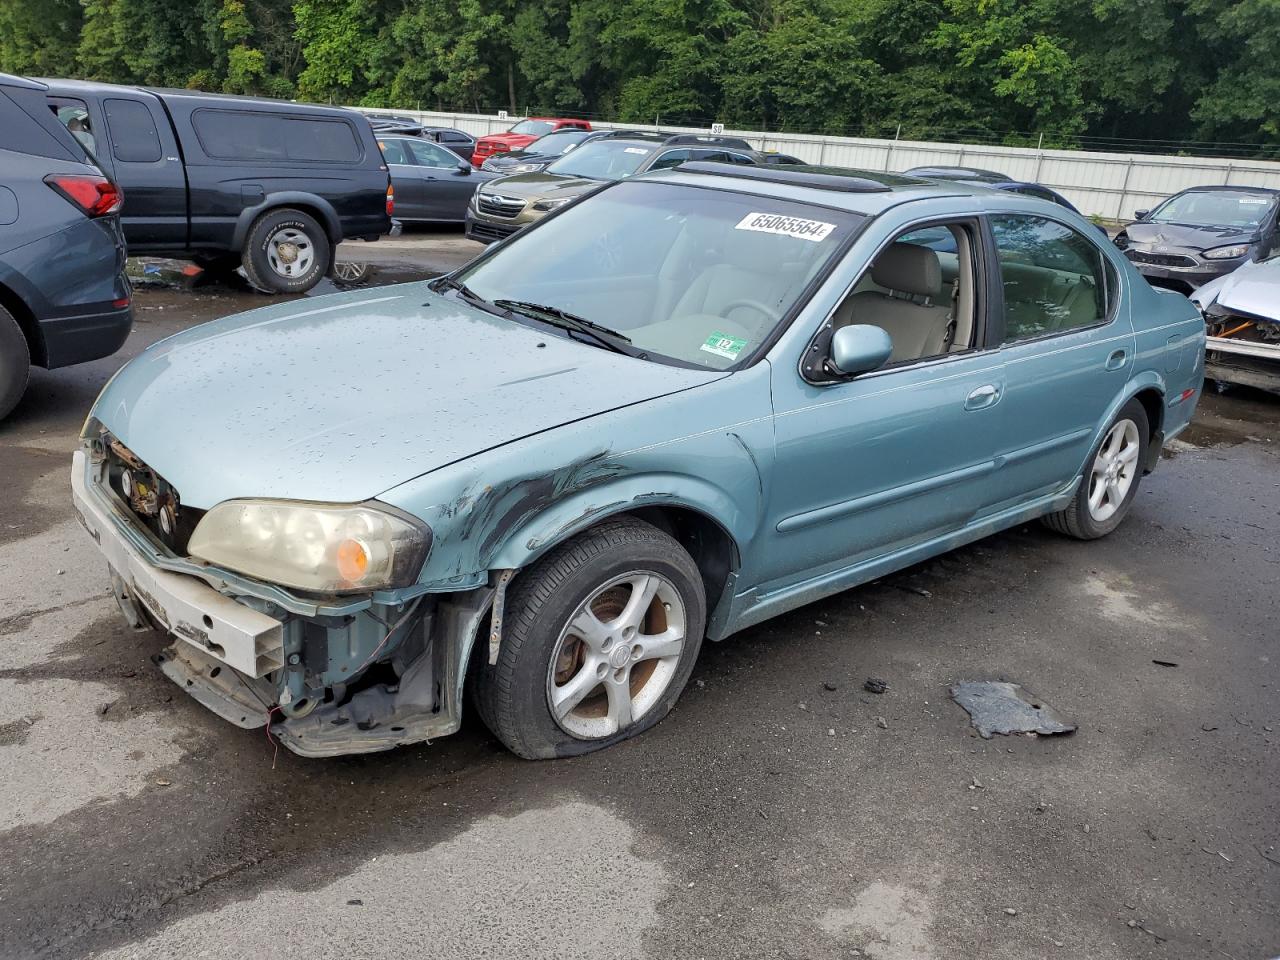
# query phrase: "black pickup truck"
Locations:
[[226, 180]]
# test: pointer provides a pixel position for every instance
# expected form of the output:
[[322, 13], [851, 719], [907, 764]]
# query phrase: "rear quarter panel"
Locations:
[[58, 263], [1170, 340]]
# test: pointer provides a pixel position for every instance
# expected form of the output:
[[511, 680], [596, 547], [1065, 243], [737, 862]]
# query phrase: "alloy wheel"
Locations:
[[1114, 470], [617, 655]]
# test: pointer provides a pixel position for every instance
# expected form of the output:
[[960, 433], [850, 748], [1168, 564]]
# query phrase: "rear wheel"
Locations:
[[1111, 481], [599, 640], [15, 362], [286, 251]]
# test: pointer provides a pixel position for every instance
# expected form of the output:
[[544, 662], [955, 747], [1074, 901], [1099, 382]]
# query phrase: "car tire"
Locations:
[[1111, 478], [15, 363], [621, 688], [286, 251]]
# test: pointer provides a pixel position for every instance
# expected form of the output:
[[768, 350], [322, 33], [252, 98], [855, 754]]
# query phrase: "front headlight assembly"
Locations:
[[551, 204], [1227, 253], [318, 547]]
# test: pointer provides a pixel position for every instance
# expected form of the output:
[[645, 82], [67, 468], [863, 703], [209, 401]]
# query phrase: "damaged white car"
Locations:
[[1242, 317]]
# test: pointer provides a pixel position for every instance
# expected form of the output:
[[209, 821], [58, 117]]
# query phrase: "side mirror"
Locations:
[[1141, 214], [464, 167], [860, 348]]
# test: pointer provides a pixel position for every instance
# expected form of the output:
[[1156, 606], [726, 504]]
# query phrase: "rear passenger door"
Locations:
[[144, 153], [1066, 345], [406, 179]]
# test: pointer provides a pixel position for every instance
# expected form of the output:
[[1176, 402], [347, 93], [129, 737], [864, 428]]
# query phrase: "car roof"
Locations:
[[57, 85], [9, 80], [867, 192], [1230, 188], [957, 173]]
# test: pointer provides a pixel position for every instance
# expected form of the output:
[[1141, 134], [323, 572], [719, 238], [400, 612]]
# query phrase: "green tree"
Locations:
[[1242, 102], [40, 37], [342, 46], [805, 70]]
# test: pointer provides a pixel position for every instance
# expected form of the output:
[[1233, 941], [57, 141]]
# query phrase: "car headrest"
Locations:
[[908, 268]]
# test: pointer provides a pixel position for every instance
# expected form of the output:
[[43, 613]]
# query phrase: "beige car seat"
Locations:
[[910, 312]]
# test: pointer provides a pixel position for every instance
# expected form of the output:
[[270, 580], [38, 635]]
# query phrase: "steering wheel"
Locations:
[[755, 305]]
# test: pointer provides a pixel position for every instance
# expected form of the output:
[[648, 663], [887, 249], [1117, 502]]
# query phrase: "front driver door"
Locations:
[[871, 466], [447, 186]]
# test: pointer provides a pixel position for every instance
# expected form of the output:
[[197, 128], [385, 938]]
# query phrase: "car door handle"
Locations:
[[1116, 360], [982, 397]]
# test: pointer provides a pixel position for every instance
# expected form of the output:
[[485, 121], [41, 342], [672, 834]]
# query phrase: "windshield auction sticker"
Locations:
[[723, 345], [813, 230]]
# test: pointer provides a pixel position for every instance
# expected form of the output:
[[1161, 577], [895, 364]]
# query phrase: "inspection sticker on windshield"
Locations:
[[1252, 200], [640, 150], [813, 230], [723, 345]]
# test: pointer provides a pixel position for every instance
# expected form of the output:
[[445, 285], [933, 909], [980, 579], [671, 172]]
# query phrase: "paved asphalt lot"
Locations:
[[771, 815]]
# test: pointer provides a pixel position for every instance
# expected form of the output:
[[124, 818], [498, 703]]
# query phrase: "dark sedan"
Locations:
[[1201, 234], [458, 141], [543, 151], [431, 184], [994, 180]]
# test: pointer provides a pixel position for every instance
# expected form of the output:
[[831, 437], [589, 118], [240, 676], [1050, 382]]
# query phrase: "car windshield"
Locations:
[[1216, 208], [602, 160], [534, 128], [558, 142], [696, 276]]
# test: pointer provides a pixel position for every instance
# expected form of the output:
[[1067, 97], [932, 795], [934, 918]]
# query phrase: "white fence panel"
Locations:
[[1112, 185]]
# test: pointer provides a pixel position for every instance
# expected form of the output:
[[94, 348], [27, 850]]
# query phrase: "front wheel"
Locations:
[[599, 639], [286, 251], [1111, 480]]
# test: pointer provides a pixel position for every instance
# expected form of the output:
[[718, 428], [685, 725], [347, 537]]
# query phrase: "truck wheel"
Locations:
[[598, 641], [15, 363], [1110, 481], [286, 251]]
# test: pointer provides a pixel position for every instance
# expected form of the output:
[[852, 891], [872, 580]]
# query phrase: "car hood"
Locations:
[[515, 156], [508, 139], [341, 398], [542, 184], [1186, 235], [1252, 289]]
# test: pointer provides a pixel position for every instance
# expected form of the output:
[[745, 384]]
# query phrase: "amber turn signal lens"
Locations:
[[352, 560]]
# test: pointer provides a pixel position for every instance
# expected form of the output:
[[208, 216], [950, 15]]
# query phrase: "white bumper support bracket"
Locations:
[[189, 609]]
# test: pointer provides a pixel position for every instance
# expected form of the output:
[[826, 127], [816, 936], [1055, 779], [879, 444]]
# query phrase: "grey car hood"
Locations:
[[1187, 236], [341, 398], [1252, 288]]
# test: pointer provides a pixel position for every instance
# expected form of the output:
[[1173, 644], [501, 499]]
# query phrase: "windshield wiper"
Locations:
[[448, 282], [610, 339]]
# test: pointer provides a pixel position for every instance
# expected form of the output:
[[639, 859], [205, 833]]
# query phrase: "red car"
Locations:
[[521, 135]]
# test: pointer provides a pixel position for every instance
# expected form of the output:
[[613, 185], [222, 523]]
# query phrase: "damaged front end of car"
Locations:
[[343, 668], [1242, 319]]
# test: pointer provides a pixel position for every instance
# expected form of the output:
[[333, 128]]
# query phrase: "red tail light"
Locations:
[[96, 196], [391, 199]]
